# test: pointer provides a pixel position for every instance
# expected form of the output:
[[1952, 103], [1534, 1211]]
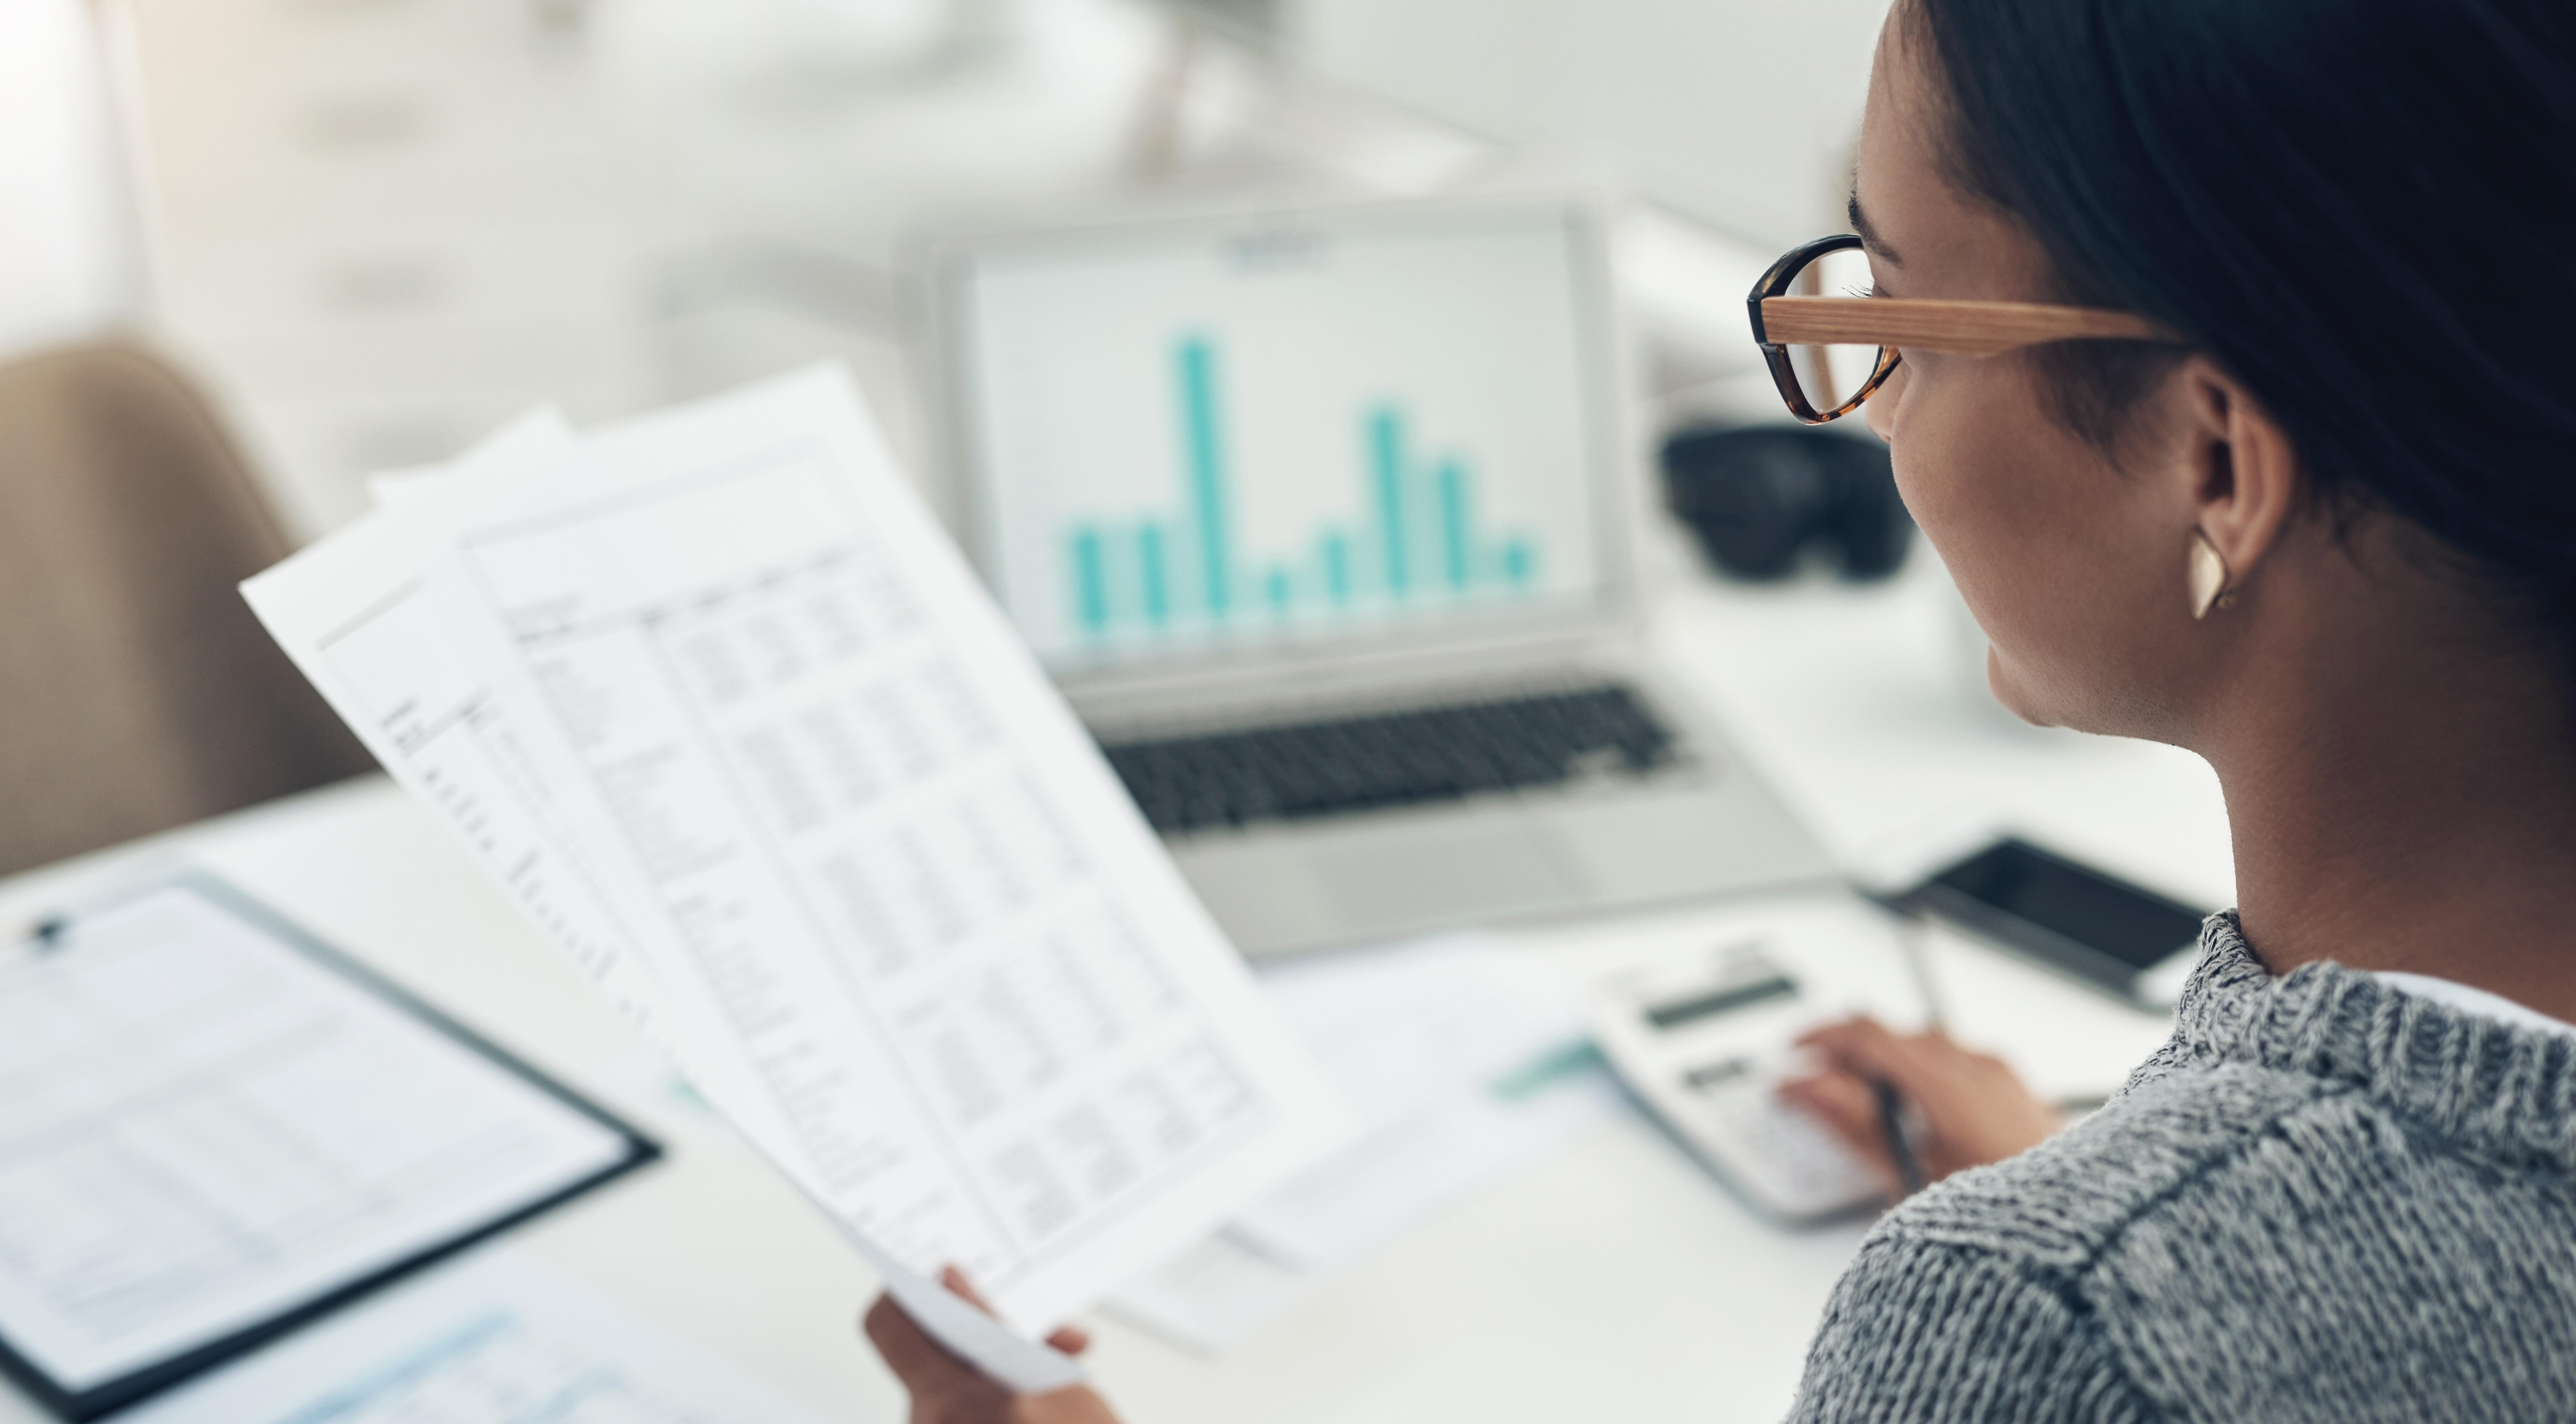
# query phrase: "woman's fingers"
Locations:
[[963, 1288], [1848, 1107], [947, 1390], [1071, 1339], [1866, 1048], [922, 1363], [1976, 1109]]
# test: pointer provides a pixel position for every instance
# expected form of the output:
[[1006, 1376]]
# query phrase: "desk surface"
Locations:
[[1613, 1280]]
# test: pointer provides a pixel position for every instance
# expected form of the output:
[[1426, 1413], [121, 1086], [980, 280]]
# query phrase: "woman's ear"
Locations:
[[2243, 474]]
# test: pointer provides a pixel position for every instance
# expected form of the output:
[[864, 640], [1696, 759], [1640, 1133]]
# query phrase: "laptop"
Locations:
[[1325, 522]]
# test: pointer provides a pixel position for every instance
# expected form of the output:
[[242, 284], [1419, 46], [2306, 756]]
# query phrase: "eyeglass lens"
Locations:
[[1831, 377]]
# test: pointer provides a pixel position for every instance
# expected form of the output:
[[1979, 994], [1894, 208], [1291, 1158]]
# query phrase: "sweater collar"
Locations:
[[2507, 1090]]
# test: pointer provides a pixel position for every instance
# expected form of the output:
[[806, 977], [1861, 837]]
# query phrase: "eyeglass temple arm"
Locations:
[[1962, 328]]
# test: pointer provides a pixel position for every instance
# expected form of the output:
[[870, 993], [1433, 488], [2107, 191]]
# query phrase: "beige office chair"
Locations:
[[137, 692]]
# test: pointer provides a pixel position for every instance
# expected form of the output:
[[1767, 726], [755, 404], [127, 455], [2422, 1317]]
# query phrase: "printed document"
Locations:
[[497, 1337], [718, 701]]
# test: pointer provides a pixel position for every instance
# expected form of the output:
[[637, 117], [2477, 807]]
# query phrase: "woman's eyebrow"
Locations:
[[1869, 237]]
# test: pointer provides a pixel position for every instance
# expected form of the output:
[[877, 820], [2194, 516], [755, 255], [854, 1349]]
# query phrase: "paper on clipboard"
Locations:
[[215, 1126], [854, 863]]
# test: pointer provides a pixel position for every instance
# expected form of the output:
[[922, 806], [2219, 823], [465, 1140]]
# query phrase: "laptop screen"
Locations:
[[1195, 438]]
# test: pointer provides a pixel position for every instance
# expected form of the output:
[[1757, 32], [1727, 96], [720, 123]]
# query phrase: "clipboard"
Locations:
[[215, 1129]]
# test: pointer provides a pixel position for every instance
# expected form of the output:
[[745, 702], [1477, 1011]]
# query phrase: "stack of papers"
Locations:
[[1457, 1080], [717, 702], [501, 1337]]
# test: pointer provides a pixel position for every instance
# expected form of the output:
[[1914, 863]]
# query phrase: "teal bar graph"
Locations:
[[1453, 523], [1091, 581], [1205, 448], [1418, 540], [1337, 567], [1386, 467], [1156, 581]]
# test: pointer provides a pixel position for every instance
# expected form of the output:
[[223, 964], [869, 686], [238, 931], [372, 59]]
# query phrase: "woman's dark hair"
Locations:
[[2364, 209]]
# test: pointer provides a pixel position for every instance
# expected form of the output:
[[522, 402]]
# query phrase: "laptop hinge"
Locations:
[[1273, 688]]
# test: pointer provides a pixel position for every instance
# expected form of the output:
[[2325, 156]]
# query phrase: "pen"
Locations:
[[1891, 1125], [1913, 930]]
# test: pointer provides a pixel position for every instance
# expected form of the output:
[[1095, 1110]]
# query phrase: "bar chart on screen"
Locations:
[[1418, 538], [1240, 435]]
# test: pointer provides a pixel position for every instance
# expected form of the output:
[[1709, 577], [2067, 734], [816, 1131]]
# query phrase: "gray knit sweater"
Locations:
[[2323, 1199]]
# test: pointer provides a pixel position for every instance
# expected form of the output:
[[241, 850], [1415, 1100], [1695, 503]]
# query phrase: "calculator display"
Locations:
[[1675, 1013]]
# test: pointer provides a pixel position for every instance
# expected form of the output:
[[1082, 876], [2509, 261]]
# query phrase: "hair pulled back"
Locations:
[[2361, 208]]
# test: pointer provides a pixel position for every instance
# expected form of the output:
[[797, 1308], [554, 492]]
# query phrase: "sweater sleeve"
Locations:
[[1927, 1333]]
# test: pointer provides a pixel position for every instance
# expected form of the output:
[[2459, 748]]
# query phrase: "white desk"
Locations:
[[1612, 1281]]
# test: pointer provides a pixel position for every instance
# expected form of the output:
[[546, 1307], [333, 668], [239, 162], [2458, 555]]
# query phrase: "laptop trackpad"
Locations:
[[1487, 871]]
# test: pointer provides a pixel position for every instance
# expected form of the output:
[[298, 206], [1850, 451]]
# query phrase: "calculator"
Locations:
[[1705, 1032]]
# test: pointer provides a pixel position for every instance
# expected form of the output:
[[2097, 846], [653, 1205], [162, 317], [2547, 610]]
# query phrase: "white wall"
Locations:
[[65, 251], [1741, 112]]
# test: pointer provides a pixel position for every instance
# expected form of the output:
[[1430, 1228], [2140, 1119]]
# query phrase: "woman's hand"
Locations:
[[947, 1390], [1973, 1108]]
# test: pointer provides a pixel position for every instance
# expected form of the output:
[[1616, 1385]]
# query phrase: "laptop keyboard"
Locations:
[[1365, 763]]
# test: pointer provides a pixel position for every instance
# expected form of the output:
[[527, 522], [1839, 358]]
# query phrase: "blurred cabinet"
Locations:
[[380, 227], [66, 258], [1741, 113]]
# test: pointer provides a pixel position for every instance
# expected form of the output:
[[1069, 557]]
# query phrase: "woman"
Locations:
[[2309, 513]]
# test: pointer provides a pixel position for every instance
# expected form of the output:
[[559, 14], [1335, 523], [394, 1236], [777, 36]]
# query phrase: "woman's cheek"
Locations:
[[1929, 448], [1881, 409], [1959, 451]]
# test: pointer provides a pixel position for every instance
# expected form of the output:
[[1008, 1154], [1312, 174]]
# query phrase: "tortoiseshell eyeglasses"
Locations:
[[1830, 344]]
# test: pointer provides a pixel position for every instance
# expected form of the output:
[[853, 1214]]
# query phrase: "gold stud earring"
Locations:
[[2208, 577]]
